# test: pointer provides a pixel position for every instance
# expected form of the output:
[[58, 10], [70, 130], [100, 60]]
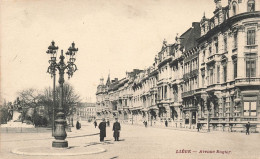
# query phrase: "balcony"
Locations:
[[251, 48], [153, 89], [200, 91], [247, 81], [187, 94], [163, 80], [213, 87], [211, 59], [165, 61]]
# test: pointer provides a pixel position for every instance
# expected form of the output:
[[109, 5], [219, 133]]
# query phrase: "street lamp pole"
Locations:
[[53, 108], [60, 133], [52, 50]]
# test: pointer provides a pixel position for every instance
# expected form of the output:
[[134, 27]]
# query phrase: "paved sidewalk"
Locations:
[[135, 142]]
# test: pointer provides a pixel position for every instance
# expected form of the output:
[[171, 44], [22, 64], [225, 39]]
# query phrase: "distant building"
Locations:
[[86, 111]]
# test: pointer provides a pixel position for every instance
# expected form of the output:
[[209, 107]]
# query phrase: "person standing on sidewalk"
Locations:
[[247, 128], [78, 125], [102, 128], [166, 123], [198, 126], [95, 123], [116, 129]]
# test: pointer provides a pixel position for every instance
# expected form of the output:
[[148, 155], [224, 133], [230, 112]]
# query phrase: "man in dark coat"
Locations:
[[247, 128], [166, 123], [116, 129], [198, 126], [102, 128], [78, 125], [95, 123]]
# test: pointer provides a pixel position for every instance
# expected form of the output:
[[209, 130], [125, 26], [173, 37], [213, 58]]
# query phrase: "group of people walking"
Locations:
[[102, 127], [117, 127]]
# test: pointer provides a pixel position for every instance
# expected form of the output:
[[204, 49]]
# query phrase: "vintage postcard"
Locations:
[[130, 79]]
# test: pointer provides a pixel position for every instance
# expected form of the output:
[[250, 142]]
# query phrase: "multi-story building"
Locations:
[[228, 92], [209, 76], [86, 111]]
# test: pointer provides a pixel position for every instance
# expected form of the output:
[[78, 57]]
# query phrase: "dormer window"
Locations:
[[251, 5], [234, 8]]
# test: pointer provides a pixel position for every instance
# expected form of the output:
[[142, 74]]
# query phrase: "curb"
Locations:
[[26, 151]]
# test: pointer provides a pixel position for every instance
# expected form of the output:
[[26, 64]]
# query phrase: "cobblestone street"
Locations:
[[141, 142]]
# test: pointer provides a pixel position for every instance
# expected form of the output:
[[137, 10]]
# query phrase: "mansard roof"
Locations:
[[188, 38]]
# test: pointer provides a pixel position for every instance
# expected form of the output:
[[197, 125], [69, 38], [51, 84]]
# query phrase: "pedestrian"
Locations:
[[166, 123], [102, 128], [247, 128], [145, 124], [78, 126], [198, 126], [95, 123], [116, 129]]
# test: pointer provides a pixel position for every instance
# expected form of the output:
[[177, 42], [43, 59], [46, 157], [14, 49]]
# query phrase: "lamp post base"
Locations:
[[60, 143]]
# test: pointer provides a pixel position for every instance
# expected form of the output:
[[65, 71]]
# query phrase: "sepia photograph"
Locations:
[[129, 79]]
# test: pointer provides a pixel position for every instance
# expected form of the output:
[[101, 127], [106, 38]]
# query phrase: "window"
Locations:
[[224, 106], [218, 74], [165, 94], [234, 8], [250, 67], [235, 40], [210, 51], [251, 37], [203, 56], [203, 29], [225, 44], [225, 73], [203, 81], [250, 108], [251, 5], [211, 76], [216, 45], [235, 68]]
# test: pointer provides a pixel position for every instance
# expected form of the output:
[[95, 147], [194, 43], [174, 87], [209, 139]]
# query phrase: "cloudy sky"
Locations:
[[112, 35]]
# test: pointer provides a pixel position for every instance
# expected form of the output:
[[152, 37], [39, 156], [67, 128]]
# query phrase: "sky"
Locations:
[[113, 36]]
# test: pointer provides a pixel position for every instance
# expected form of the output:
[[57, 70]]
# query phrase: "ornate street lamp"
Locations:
[[52, 50], [59, 132]]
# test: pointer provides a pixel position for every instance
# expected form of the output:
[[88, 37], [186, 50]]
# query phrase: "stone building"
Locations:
[[209, 76], [86, 111]]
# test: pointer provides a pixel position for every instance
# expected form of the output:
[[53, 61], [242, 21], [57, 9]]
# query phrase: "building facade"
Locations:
[[86, 111], [209, 76]]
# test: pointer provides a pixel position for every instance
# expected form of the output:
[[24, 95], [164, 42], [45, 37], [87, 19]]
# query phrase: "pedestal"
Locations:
[[60, 143]]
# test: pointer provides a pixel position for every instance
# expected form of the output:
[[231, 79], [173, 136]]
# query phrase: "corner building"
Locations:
[[209, 76]]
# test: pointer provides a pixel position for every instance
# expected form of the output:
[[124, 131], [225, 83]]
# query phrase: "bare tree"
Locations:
[[29, 97], [70, 97]]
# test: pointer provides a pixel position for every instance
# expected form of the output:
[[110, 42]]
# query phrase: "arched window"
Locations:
[[234, 8], [251, 5]]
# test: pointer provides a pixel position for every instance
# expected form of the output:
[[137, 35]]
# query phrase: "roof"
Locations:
[[188, 38]]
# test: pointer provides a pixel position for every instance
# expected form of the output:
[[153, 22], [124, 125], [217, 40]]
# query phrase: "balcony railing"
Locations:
[[187, 94], [211, 58], [247, 81], [213, 87]]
